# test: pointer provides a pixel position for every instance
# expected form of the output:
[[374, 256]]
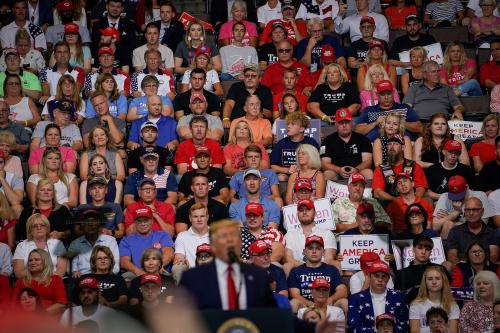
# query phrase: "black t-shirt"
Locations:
[[238, 93], [342, 153], [60, 220], [331, 100], [216, 211], [166, 157], [403, 43], [112, 286], [489, 177], [167, 287], [216, 181], [358, 50], [181, 102], [437, 176]]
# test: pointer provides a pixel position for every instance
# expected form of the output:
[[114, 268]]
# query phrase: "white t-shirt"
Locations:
[[100, 316], [333, 313], [419, 309], [295, 241], [265, 14], [54, 248], [358, 279], [378, 301], [62, 192], [445, 204], [187, 242], [212, 78]]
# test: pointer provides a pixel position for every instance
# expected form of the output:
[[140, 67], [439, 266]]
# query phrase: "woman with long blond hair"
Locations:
[[393, 124], [67, 89], [39, 277], [374, 75], [434, 291], [376, 55]]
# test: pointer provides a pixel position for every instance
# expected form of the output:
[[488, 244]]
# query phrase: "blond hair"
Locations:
[[37, 217], [324, 73], [232, 139], [402, 121], [46, 275], [369, 85], [313, 153], [221, 224], [6, 211], [42, 169], [43, 182], [447, 300]]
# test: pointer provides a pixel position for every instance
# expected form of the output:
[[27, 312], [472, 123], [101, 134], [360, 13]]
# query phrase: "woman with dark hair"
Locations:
[[398, 11], [23, 110], [476, 260], [117, 103], [416, 223], [80, 54], [29, 301], [98, 166], [147, 11]]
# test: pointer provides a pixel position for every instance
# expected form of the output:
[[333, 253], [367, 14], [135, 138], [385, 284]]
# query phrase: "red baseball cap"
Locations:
[[415, 209], [151, 278], [365, 208], [71, 28], [452, 145], [258, 247], [201, 150], [143, 212], [367, 259], [301, 183], [356, 177], [106, 50], [9, 51], [379, 266], [320, 283], [327, 53], [368, 19], [343, 114], [314, 239], [385, 316], [89, 282], [306, 202], [376, 43], [111, 32], [457, 188], [402, 175], [254, 208], [65, 6], [196, 96], [203, 248], [384, 85]]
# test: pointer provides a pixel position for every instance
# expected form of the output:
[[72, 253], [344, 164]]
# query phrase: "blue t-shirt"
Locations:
[[372, 113], [269, 179], [166, 130], [283, 153], [134, 245], [164, 180], [271, 210], [141, 103], [316, 51], [116, 107], [302, 278], [278, 275]]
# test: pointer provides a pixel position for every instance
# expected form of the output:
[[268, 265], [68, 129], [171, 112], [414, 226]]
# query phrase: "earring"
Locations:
[[201, 38], [189, 38]]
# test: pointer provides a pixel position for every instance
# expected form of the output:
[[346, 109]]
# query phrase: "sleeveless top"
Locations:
[[110, 158], [110, 196], [433, 155], [313, 182], [411, 79], [21, 110]]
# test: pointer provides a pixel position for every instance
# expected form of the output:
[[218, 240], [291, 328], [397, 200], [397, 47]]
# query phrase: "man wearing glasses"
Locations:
[[474, 229]]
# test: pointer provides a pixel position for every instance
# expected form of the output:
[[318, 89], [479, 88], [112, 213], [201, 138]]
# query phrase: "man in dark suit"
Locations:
[[171, 30], [126, 42], [226, 283]]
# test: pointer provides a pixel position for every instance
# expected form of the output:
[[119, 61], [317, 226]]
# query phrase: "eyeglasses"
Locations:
[[39, 226], [472, 210], [148, 189], [477, 252], [284, 50], [204, 256], [317, 30]]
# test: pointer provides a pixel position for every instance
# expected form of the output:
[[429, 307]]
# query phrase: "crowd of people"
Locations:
[[143, 159]]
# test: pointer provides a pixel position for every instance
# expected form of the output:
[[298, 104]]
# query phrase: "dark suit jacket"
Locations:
[[45, 14], [201, 282], [173, 35], [218, 12]]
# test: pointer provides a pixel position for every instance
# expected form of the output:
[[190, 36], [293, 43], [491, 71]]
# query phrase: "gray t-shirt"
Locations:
[[213, 122], [427, 102], [90, 123], [69, 134], [446, 205], [235, 58], [187, 55], [55, 34]]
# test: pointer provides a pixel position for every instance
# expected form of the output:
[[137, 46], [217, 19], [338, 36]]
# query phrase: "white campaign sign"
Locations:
[[466, 130], [353, 246], [337, 190], [437, 255], [434, 52], [324, 215]]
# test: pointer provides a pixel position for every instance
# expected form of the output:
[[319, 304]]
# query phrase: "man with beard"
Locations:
[[88, 293], [198, 107], [384, 185], [406, 42]]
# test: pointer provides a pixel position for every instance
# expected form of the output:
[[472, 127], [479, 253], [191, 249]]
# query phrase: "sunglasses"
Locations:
[[284, 50]]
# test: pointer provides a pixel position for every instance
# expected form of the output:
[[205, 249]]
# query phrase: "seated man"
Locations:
[[152, 58], [290, 77], [253, 179], [217, 181], [289, 28], [260, 253], [489, 73], [164, 180], [198, 106], [360, 280], [152, 36], [144, 237], [283, 159]]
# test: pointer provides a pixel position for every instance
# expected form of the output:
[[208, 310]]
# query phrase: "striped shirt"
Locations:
[[444, 11]]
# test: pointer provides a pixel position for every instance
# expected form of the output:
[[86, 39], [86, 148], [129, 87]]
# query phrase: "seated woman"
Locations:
[[417, 221], [308, 167], [7, 223], [397, 11], [38, 230], [434, 291], [151, 262], [33, 60], [66, 90], [443, 13], [427, 149], [52, 137], [485, 150], [12, 163], [374, 75], [117, 103], [80, 54], [28, 301], [239, 12], [38, 276], [98, 166], [477, 315], [459, 72], [66, 184], [23, 110], [376, 55], [234, 155], [414, 75], [391, 125], [138, 107], [476, 260], [100, 143], [487, 27], [212, 83]]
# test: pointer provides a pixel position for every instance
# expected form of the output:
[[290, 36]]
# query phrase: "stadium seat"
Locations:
[[483, 56], [447, 35], [476, 108], [226, 84]]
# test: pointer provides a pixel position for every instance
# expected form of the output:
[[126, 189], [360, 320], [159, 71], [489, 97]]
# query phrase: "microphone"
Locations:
[[232, 256]]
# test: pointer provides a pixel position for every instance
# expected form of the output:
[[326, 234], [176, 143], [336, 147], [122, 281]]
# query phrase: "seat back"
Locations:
[[447, 35], [476, 108]]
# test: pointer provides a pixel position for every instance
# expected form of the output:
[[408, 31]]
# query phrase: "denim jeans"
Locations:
[[470, 88]]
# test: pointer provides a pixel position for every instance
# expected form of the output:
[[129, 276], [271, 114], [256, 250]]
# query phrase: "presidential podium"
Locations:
[[249, 321]]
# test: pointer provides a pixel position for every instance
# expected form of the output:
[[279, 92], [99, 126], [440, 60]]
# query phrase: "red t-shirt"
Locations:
[[53, 293], [396, 17], [456, 73], [277, 98], [397, 208], [185, 153], [165, 210], [418, 177], [273, 77], [4, 228], [265, 36], [485, 151], [235, 154], [490, 71]]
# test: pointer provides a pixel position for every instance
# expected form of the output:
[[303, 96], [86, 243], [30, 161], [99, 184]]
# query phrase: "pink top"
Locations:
[[486, 26], [235, 153], [14, 165], [370, 98], [226, 32], [456, 74], [68, 156]]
